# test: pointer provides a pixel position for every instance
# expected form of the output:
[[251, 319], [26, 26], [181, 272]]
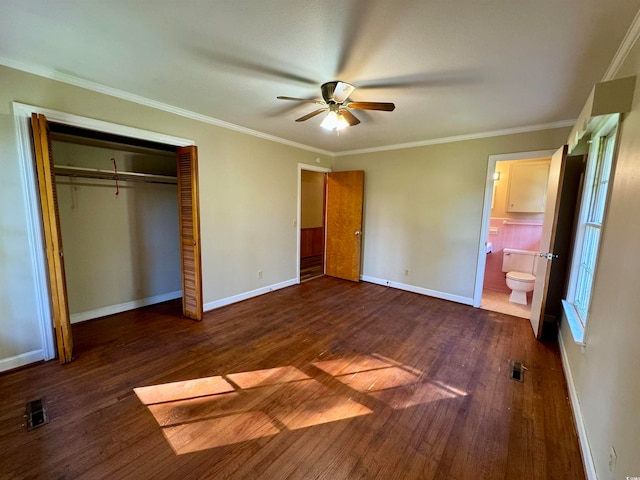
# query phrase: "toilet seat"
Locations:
[[521, 277]]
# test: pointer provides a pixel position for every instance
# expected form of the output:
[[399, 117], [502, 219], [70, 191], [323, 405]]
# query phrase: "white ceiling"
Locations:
[[452, 67]]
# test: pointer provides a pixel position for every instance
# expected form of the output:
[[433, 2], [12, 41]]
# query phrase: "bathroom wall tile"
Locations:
[[521, 237]]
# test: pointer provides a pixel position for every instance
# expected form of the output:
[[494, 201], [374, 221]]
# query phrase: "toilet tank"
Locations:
[[514, 260]]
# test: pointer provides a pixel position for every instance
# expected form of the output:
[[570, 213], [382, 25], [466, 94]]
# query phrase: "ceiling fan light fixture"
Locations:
[[342, 122], [334, 121], [334, 102]]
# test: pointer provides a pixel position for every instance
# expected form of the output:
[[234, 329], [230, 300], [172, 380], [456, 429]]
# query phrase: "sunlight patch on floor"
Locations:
[[180, 390], [359, 363], [418, 394], [217, 432], [381, 379], [212, 412], [269, 376], [242, 406]]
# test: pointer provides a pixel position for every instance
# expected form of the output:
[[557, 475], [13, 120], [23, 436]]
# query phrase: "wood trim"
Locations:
[[65, 118], [189, 217], [311, 241], [324, 222], [53, 237]]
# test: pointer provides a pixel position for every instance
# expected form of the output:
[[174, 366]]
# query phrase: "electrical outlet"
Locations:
[[612, 459], [259, 273]]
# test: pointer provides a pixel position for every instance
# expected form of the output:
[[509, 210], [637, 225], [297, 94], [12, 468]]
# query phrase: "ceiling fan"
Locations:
[[335, 95]]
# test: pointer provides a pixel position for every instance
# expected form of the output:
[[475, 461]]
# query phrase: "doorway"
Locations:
[[515, 229], [342, 200], [312, 224], [513, 223], [550, 263], [311, 221]]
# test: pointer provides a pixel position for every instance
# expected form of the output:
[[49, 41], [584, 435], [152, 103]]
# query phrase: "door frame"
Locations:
[[486, 212], [22, 115], [311, 168]]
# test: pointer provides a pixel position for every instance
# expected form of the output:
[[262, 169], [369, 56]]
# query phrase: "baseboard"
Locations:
[[123, 307], [246, 295], [585, 450], [21, 360], [420, 290]]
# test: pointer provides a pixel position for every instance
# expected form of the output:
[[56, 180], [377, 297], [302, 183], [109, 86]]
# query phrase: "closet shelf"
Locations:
[[68, 171]]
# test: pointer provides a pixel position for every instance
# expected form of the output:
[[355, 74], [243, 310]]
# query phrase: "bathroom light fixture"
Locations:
[[496, 175]]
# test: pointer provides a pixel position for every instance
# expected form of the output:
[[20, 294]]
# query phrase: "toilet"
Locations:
[[519, 266]]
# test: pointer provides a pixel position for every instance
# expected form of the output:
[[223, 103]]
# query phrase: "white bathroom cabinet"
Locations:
[[527, 190]]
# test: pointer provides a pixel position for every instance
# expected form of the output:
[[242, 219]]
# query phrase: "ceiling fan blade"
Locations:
[[306, 100], [384, 106], [349, 117], [310, 115]]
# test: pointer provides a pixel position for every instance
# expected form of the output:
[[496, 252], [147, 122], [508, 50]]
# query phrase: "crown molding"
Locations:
[[625, 47], [114, 92], [462, 138]]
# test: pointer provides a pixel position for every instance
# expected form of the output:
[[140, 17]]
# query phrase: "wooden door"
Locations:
[[556, 175], [52, 237], [344, 224], [189, 214]]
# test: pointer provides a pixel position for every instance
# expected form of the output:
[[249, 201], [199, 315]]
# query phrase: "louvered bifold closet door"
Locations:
[[189, 208], [52, 236]]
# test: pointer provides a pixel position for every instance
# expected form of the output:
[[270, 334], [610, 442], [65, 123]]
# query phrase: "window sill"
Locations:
[[575, 325]]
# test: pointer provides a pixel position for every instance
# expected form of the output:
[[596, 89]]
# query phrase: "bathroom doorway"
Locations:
[[512, 225], [515, 228], [558, 225]]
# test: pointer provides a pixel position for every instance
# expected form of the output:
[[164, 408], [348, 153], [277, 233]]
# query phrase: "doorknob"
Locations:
[[549, 256], [357, 232]]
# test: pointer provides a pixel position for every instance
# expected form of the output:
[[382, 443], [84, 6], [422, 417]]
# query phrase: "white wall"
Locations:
[[120, 251], [311, 199], [605, 372], [20, 335], [423, 210]]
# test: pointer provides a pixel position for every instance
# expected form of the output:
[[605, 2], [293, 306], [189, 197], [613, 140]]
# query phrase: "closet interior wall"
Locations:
[[121, 239]]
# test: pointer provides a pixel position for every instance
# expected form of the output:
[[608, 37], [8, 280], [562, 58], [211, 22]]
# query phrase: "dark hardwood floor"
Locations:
[[311, 267], [328, 379]]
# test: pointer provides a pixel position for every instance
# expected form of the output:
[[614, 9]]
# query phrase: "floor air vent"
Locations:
[[35, 414], [517, 371]]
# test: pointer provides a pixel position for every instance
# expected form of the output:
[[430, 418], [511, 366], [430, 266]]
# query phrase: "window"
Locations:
[[589, 231]]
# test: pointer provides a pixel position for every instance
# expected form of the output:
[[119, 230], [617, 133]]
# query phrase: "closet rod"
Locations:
[[68, 171]]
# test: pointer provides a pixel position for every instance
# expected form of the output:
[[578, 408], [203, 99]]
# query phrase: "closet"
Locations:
[[118, 208]]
